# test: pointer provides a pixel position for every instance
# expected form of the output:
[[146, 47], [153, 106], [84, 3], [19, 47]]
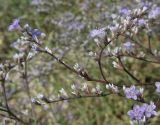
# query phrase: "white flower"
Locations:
[[40, 96], [98, 89], [141, 90], [48, 50], [141, 54], [112, 87], [77, 67], [63, 92], [93, 90], [18, 56], [84, 87], [73, 87], [116, 65]]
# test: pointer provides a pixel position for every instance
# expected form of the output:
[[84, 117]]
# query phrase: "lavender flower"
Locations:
[[145, 4], [98, 5], [73, 25], [132, 92], [141, 22], [149, 109], [157, 84], [35, 33], [114, 28], [14, 25], [137, 113], [128, 45], [99, 32], [154, 13], [123, 11], [34, 48]]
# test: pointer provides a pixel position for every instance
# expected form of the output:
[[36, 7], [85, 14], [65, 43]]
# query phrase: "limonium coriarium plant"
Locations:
[[127, 34]]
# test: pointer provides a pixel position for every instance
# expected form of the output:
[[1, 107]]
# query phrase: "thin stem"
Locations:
[[91, 96], [135, 57], [80, 97], [28, 89], [100, 65], [3, 115], [139, 58], [86, 76], [6, 103], [149, 45], [130, 74]]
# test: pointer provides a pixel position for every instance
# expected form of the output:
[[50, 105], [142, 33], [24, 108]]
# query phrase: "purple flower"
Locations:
[[154, 13], [149, 109], [141, 22], [35, 48], [157, 84], [144, 4], [128, 45], [132, 92], [137, 113], [74, 25], [113, 28], [35, 33], [99, 32], [14, 25], [123, 11], [98, 5]]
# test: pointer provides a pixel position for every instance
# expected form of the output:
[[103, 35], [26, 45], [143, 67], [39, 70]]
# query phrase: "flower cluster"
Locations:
[[139, 112], [133, 92], [112, 88], [97, 32]]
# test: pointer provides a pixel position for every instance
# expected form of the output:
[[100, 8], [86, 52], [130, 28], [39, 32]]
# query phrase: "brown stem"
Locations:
[[80, 97], [6, 103], [87, 77], [130, 74], [100, 65]]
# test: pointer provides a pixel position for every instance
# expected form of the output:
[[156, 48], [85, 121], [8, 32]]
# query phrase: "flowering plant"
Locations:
[[118, 45]]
